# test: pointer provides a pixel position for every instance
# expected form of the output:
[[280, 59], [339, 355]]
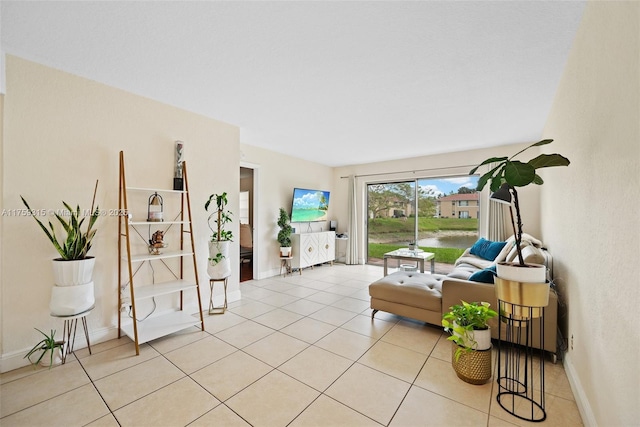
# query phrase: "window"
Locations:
[[416, 211]]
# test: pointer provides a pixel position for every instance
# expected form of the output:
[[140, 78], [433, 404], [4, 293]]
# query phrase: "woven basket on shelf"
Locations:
[[473, 367]]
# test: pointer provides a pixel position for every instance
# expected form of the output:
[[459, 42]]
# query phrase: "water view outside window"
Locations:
[[439, 214]]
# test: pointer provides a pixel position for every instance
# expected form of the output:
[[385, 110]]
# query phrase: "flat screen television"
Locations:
[[309, 205]]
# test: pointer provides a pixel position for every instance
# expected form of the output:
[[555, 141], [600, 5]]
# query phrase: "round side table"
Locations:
[[69, 331]]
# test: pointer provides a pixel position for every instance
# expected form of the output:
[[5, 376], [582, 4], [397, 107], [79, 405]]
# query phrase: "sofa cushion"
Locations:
[[487, 249], [410, 288], [485, 275]]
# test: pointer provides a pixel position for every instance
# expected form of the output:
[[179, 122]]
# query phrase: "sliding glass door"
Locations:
[[439, 214]]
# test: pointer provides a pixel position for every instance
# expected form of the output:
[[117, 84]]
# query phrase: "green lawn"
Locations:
[[395, 225], [445, 255]]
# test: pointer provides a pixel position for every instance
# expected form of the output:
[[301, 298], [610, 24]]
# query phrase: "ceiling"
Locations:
[[334, 82]]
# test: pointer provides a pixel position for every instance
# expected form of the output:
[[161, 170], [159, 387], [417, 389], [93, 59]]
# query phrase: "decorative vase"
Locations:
[[473, 367], [222, 268], [531, 273]]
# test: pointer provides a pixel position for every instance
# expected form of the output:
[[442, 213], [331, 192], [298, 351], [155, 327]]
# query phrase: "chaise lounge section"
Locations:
[[424, 297]]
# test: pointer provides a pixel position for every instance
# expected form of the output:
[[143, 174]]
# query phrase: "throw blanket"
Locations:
[[508, 253]]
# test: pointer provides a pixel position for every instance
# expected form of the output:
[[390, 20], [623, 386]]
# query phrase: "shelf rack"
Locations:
[[155, 325]]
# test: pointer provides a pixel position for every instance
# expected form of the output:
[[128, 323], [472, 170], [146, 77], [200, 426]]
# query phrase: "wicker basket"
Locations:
[[473, 367]]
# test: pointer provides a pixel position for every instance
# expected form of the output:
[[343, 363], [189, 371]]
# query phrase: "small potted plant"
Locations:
[[49, 350], [219, 265], [284, 235], [471, 336], [73, 292], [507, 174]]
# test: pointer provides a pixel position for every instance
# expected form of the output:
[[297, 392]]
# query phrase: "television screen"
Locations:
[[309, 205]]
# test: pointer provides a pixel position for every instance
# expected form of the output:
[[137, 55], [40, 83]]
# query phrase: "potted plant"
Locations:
[[471, 336], [49, 350], [284, 235], [507, 174], [73, 292], [219, 263]]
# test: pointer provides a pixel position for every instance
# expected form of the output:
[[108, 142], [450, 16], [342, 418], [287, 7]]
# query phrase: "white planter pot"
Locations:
[[72, 273], [532, 273], [57, 357], [481, 337], [71, 300], [221, 269], [285, 251]]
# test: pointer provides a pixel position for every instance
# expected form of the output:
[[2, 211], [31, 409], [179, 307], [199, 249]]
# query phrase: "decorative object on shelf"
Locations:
[[507, 174], [73, 290], [156, 243], [471, 337], [177, 180], [219, 265], [155, 208], [179, 291], [49, 350], [284, 235]]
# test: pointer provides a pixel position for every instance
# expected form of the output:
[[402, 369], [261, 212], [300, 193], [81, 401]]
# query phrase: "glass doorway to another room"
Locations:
[[439, 215]]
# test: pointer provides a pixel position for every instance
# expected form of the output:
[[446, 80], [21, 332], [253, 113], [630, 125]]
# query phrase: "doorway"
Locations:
[[247, 223]]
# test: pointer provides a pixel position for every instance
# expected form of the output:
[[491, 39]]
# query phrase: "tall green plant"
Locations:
[[514, 173], [77, 243], [220, 217], [284, 235]]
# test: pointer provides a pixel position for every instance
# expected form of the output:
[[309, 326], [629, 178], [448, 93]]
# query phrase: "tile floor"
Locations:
[[296, 351]]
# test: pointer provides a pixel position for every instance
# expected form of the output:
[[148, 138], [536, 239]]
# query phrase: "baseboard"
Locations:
[[584, 407]]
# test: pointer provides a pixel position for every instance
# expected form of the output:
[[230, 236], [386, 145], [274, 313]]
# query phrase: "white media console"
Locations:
[[310, 249]]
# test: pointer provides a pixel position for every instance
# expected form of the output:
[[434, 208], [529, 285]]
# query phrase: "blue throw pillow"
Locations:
[[487, 249], [484, 276]]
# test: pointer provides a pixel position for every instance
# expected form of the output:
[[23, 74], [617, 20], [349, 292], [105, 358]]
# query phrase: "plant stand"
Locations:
[[69, 331], [520, 366], [223, 308]]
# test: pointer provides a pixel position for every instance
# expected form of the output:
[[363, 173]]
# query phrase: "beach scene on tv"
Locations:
[[309, 205]]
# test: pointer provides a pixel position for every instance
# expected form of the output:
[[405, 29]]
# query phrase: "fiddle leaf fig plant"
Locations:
[[507, 174]]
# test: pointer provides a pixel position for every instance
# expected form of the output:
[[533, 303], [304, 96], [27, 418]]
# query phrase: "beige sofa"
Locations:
[[425, 296]]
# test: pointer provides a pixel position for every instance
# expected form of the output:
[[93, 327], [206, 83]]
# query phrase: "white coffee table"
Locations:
[[408, 255]]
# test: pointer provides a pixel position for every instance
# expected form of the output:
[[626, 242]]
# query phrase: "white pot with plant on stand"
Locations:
[[284, 235], [219, 265], [73, 290]]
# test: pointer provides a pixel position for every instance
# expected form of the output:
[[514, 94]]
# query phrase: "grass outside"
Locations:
[[444, 255], [399, 225]]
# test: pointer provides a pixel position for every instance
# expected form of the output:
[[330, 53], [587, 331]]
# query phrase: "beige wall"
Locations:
[[442, 165], [277, 175], [595, 121], [61, 133]]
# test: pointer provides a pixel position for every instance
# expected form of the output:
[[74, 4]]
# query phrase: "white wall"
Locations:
[[61, 133], [590, 215], [442, 165], [277, 175]]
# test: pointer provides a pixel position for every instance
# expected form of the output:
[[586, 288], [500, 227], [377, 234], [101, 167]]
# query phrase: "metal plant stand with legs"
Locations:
[[520, 365]]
